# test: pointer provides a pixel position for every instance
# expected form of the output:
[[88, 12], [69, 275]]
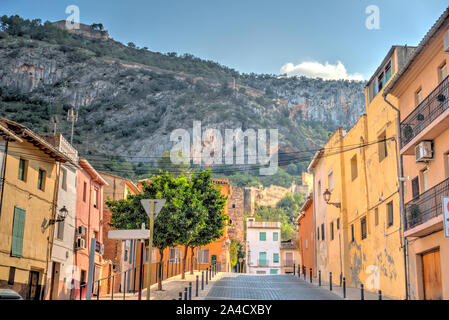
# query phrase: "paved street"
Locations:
[[269, 287]]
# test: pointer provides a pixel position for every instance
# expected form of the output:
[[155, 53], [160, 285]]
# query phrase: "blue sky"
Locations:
[[258, 36]]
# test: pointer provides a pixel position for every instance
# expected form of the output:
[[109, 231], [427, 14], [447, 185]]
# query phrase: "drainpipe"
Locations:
[[3, 175], [401, 192]]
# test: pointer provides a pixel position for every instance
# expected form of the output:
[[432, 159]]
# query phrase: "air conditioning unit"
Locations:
[[80, 243], [424, 151], [81, 231], [446, 41]]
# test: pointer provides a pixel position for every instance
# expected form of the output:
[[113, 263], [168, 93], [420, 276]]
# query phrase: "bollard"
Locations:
[[180, 295], [185, 293], [112, 292], [304, 271], [207, 275], [344, 288], [81, 293], [98, 291], [196, 287], [299, 271], [362, 294], [124, 287], [341, 278], [190, 290], [210, 272], [310, 272], [294, 269], [330, 281], [380, 294], [202, 280], [319, 278]]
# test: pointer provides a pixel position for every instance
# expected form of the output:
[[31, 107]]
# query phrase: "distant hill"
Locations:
[[130, 99]]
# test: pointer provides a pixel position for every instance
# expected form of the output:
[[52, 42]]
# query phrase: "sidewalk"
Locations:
[[171, 288], [351, 293]]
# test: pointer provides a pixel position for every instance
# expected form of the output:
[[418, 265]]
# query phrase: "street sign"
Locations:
[[129, 234], [158, 204], [446, 216]]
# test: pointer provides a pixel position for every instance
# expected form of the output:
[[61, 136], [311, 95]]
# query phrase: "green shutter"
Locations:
[[18, 231], [275, 236], [262, 236], [276, 257], [262, 258], [273, 271]]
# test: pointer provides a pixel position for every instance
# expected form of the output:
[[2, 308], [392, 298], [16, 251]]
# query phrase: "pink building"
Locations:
[[89, 224]]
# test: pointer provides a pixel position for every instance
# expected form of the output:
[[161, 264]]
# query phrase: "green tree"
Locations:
[[214, 202]]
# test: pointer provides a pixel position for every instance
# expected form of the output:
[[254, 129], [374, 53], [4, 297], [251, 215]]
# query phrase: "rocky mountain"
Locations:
[[130, 99]]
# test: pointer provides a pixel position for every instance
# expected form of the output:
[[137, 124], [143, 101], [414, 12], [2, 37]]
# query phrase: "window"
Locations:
[[60, 232], [390, 213], [332, 230], [319, 188], [147, 250], [338, 223], [64, 179], [352, 233], [262, 236], [331, 180], [354, 171], [307, 243], [380, 82], [233, 205], [276, 257], [318, 233], [125, 256], [41, 180], [95, 198], [376, 217], [382, 146], [174, 255], [262, 258], [12, 274], [388, 72], [85, 192], [23, 169], [18, 232], [442, 72], [230, 222], [202, 256], [275, 236], [418, 97], [363, 227], [322, 231], [415, 187]]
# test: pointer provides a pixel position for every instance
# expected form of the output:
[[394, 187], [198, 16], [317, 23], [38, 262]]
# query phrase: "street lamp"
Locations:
[[61, 216], [327, 197]]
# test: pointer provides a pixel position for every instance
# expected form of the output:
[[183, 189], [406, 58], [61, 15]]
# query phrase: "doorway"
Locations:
[[33, 286], [431, 263], [54, 289]]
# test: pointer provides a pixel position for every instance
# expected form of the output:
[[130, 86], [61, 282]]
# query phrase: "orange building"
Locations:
[[306, 236], [422, 92]]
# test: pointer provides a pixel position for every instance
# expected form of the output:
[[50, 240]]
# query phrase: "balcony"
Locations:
[[428, 119], [424, 213]]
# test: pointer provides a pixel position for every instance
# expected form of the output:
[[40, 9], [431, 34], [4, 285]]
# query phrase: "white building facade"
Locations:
[[263, 247], [61, 268]]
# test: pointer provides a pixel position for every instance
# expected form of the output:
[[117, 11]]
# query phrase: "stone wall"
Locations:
[[236, 211]]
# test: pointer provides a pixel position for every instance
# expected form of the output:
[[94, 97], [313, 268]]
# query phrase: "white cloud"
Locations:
[[315, 69]]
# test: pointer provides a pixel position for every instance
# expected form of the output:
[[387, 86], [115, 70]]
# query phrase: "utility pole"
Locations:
[[72, 116]]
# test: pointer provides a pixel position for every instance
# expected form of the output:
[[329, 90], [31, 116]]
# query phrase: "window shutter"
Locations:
[[17, 232]]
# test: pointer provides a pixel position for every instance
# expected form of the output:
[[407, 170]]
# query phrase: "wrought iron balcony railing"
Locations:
[[426, 206], [426, 112]]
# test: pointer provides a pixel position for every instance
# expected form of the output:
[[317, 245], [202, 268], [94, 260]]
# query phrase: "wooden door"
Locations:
[[432, 275], [34, 288], [55, 281]]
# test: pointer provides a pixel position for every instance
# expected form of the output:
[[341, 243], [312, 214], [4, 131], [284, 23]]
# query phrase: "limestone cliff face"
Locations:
[[130, 109]]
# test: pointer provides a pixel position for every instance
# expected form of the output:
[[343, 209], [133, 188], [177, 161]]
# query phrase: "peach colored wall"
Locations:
[[306, 230]]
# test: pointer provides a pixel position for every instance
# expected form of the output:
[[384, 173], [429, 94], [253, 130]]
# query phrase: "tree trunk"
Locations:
[[183, 275], [159, 279], [191, 259]]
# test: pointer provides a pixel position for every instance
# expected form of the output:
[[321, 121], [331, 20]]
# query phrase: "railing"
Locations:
[[426, 112], [288, 263], [129, 281], [426, 206]]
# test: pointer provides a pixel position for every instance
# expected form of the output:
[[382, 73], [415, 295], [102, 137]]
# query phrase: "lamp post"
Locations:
[[327, 197], [61, 216], [152, 208]]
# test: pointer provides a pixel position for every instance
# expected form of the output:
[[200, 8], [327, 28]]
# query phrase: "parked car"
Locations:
[[8, 294]]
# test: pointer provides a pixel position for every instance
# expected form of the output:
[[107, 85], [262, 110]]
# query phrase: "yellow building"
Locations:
[[28, 203], [359, 222]]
